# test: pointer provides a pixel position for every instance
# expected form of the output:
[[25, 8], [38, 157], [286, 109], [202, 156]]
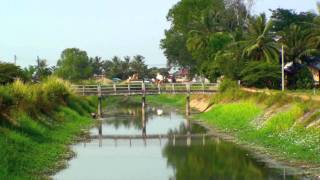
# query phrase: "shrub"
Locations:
[[56, 89], [262, 75], [228, 85], [302, 79], [6, 102], [33, 98], [9, 72]]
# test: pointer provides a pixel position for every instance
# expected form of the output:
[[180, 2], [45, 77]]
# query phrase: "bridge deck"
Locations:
[[147, 89]]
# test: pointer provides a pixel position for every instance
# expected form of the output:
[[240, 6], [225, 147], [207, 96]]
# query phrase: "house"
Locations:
[[314, 67], [180, 74], [313, 64]]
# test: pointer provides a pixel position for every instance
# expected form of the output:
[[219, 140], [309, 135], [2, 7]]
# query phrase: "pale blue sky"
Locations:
[[101, 27]]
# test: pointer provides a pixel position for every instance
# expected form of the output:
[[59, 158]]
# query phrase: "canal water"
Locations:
[[161, 159]]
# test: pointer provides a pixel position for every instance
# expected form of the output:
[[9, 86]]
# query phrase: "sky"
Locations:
[[105, 28]]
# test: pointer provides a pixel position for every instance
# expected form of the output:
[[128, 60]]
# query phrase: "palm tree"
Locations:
[[260, 43], [298, 44], [315, 30]]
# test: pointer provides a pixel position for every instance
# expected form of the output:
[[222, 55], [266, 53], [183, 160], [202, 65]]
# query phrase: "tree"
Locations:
[[301, 79], [262, 75], [175, 49], [199, 30], [138, 66], [260, 42], [297, 43], [42, 69], [29, 72], [9, 72], [283, 18], [126, 67], [97, 65], [74, 65]]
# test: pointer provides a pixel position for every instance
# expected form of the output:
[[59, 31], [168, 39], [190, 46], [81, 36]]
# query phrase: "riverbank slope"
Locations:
[[37, 123], [283, 127]]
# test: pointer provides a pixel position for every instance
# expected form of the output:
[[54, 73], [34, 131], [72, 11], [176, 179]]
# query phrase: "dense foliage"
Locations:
[[221, 37], [10, 72]]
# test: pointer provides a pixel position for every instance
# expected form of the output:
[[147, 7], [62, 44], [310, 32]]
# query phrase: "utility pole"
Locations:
[[38, 61], [282, 67], [15, 60]]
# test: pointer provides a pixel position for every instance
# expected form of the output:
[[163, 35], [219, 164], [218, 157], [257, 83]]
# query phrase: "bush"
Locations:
[[9, 72], [33, 98], [228, 85], [6, 102], [262, 75], [56, 89], [303, 79]]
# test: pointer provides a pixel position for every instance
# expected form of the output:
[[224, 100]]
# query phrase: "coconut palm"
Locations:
[[260, 43], [298, 43], [315, 30]]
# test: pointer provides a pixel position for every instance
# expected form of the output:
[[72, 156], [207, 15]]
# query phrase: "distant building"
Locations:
[[179, 74], [314, 67], [313, 64]]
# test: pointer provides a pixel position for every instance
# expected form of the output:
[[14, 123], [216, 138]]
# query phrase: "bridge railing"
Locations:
[[147, 88]]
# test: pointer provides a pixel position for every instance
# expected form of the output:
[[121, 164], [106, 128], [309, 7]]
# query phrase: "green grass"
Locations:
[[170, 100], [38, 122], [232, 116], [235, 111], [32, 150], [278, 135]]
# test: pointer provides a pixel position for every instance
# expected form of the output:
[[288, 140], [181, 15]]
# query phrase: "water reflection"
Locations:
[[217, 160], [191, 158]]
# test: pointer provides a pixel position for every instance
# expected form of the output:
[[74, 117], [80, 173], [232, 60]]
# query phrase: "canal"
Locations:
[[138, 159]]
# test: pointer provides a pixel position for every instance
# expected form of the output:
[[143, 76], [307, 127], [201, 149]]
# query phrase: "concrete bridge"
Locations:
[[144, 89]]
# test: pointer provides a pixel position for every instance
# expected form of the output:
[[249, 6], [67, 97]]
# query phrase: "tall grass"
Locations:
[[37, 122]]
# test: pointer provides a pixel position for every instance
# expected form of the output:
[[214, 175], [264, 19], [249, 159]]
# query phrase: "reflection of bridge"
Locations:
[[144, 89], [173, 138], [152, 136]]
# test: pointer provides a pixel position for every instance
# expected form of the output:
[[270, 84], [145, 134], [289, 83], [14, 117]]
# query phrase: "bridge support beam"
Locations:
[[188, 105]]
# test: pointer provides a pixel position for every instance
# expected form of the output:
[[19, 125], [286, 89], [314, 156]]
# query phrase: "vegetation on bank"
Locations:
[[285, 126], [37, 123], [216, 38]]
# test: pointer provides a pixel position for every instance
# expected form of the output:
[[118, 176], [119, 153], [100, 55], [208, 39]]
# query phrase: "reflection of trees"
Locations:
[[214, 161], [183, 129], [129, 117], [126, 117]]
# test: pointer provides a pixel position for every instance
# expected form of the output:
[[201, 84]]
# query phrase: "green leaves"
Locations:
[[9, 72], [74, 65], [261, 75], [260, 44]]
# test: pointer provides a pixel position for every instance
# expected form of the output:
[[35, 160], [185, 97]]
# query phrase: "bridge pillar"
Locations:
[[100, 106], [100, 134], [188, 105], [143, 121], [143, 102]]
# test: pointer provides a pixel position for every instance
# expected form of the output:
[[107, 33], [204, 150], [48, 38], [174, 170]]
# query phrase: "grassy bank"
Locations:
[[282, 125], [37, 123]]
